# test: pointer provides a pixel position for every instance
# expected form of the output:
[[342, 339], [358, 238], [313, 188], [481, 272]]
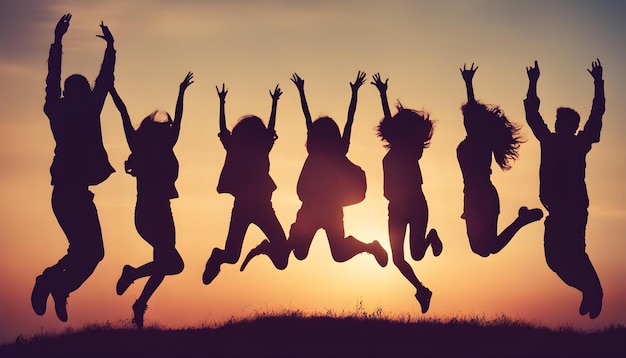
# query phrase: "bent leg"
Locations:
[[302, 232]]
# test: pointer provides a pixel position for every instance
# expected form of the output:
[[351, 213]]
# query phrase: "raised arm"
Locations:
[[531, 104], [129, 131], [275, 96], [178, 113], [53, 79], [382, 89], [299, 82], [222, 95], [468, 76], [594, 123], [358, 82], [105, 78]]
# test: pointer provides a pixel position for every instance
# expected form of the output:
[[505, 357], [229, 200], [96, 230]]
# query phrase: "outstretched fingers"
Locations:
[[276, 94], [221, 93]]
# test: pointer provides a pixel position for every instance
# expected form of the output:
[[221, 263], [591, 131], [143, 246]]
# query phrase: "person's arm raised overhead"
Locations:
[[468, 76], [53, 79], [275, 96], [129, 131], [382, 89], [531, 104], [222, 119], [299, 82], [594, 123], [105, 78], [358, 82], [178, 113]]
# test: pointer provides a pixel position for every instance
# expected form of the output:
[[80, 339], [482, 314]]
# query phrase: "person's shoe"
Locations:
[[39, 296], [423, 296], [528, 216], [125, 280], [211, 270], [379, 253], [262, 248], [435, 242], [595, 306], [138, 311], [60, 304]]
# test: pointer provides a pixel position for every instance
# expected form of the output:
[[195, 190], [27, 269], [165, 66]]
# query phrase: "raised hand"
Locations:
[[533, 72], [222, 93], [106, 34], [299, 82], [276, 94], [382, 86], [596, 70], [62, 26], [359, 81], [468, 73], [186, 82]]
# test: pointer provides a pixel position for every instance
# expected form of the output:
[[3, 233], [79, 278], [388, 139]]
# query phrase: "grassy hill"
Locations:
[[297, 335]]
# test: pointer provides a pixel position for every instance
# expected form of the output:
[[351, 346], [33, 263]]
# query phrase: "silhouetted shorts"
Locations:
[[155, 223], [311, 218], [481, 201], [408, 211]]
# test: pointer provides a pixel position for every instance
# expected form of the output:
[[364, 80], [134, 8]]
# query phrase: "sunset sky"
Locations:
[[253, 45]]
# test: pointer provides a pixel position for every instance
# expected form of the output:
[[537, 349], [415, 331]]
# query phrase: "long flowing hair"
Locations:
[[489, 123], [406, 125]]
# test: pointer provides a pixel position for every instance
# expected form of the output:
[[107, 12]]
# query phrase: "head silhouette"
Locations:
[[489, 124], [77, 88], [407, 128], [567, 121], [155, 128], [324, 136]]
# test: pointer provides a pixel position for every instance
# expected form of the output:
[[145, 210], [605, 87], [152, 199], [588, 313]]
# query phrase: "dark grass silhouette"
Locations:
[[356, 334]]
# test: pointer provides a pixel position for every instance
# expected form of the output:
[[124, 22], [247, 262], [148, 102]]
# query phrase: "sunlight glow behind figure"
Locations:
[[418, 44]]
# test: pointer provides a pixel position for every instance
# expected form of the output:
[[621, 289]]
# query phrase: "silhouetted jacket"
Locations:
[[402, 175], [563, 157], [247, 166], [79, 155]]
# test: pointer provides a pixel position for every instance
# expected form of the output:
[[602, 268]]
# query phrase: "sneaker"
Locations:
[[211, 270], [262, 248], [125, 280], [435, 242], [379, 253], [528, 216], [595, 305], [60, 304], [138, 311], [423, 296], [39, 297]]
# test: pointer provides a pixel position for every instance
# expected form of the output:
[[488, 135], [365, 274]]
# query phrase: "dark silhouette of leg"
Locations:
[[564, 244], [302, 231], [78, 217], [344, 248], [239, 223], [276, 248]]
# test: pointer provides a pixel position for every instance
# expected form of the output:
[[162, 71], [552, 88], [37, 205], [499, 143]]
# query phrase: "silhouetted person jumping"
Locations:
[[489, 133], [246, 176], [80, 160], [562, 187], [407, 134], [153, 162], [328, 182]]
